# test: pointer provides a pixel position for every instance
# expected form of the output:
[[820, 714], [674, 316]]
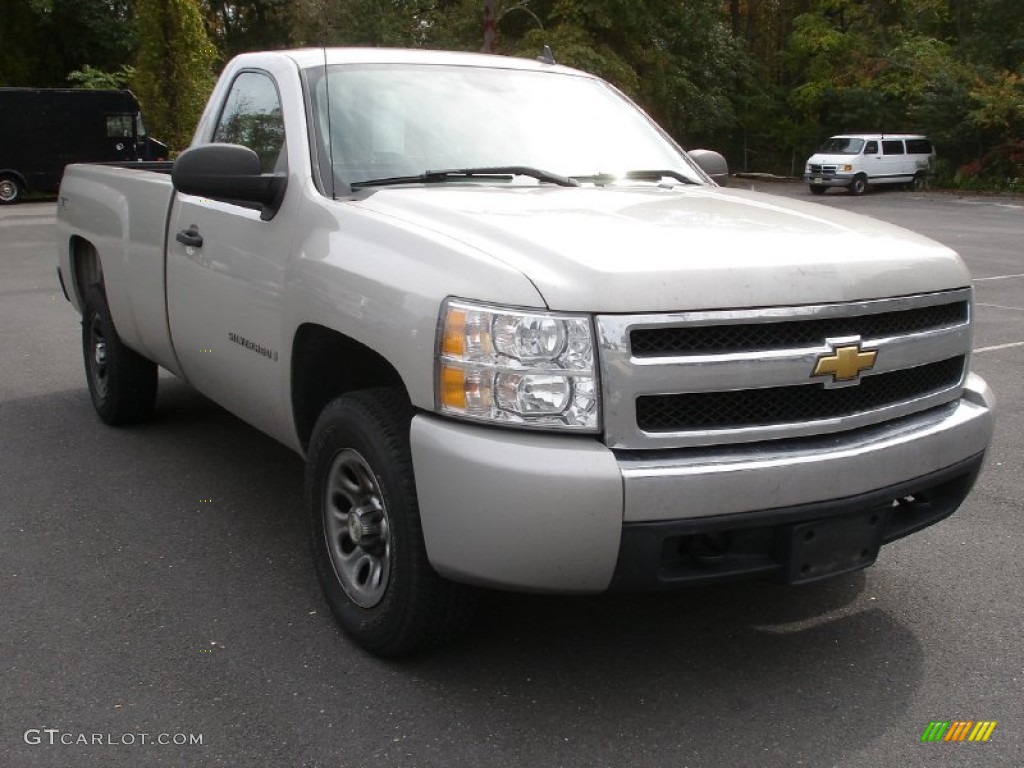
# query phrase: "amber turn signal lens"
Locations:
[[453, 388], [453, 343]]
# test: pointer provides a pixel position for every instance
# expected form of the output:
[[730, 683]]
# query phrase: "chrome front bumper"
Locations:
[[541, 512], [829, 180]]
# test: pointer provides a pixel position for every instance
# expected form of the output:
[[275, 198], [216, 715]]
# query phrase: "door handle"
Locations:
[[190, 237]]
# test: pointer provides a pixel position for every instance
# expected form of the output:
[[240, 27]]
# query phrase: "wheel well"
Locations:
[[22, 182], [326, 364], [85, 266]]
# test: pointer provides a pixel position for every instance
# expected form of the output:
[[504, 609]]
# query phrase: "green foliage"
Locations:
[[90, 77], [41, 41], [174, 68], [237, 26], [763, 80]]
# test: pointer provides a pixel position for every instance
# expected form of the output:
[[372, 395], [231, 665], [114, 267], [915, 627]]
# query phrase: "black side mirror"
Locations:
[[713, 164], [230, 173]]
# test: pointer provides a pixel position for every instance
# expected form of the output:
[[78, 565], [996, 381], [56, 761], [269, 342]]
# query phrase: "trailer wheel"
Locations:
[[122, 383], [365, 529], [10, 189]]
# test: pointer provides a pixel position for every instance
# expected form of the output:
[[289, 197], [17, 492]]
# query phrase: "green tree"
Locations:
[[41, 41], [91, 77], [237, 26], [174, 67]]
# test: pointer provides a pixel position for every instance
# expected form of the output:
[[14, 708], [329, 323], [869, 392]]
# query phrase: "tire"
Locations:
[[122, 383], [816, 190], [365, 529], [919, 183], [10, 190], [858, 186]]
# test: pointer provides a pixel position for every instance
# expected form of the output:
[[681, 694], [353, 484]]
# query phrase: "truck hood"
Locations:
[[656, 249]]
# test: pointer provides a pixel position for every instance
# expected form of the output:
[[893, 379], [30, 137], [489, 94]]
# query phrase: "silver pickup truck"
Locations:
[[522, 339]]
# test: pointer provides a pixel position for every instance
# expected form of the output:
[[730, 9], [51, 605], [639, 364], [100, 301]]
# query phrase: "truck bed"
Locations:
[[122, 209]]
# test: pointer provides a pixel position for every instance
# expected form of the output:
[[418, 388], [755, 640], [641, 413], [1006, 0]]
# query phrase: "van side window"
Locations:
[[252, 118], [892, 147], [871, 148], [919, 147]]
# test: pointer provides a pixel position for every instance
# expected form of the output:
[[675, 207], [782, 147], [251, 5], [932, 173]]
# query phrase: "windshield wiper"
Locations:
[[659, 175], [604, 179], [490, 173]]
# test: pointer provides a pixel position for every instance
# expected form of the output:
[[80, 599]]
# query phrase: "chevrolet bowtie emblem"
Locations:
[[845, 362]]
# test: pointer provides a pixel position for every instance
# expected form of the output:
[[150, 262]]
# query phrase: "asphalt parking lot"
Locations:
[[156, 581]]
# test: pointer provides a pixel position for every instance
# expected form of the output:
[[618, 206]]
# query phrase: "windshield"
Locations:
[[840, 146], [402, 120]]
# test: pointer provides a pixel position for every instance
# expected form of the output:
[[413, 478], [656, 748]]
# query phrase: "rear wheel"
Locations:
[[859, 185], [122, 383], [10, 190], [816, 190], [366, 534], [918, 184]]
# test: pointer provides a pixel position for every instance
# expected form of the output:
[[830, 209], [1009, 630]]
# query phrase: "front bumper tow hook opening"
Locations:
[[707, 549]]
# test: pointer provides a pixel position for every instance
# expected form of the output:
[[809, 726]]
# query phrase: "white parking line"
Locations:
[[996, 277], [1001, 306], [1000, 346]]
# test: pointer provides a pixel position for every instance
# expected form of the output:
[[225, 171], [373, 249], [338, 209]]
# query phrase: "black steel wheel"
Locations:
[[365, 529], [122, 383]]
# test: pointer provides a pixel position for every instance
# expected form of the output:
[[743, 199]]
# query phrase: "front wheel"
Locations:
[[122, 383], [10, 190], [366, 534], [858, 186], [816, 190]]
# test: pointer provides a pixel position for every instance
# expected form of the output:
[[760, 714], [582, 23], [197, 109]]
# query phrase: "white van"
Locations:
[[858, 159]]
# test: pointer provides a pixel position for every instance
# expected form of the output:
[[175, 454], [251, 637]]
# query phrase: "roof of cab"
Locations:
[[306, 58]]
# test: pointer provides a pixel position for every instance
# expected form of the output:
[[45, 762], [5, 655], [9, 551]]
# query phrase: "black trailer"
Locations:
[[44, 129]]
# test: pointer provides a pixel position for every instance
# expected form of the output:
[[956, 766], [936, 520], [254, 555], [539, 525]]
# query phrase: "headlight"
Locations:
[[517, 367]]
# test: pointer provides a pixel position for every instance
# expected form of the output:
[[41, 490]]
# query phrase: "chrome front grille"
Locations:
[[709, 378], [762, 336], [785, 405]]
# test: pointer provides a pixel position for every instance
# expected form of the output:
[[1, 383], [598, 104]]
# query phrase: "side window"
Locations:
[[871, 148], [120, 126], [919, 147], [892, 147], [252, 118]]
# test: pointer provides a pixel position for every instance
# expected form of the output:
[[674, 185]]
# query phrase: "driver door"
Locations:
[[225, 283]]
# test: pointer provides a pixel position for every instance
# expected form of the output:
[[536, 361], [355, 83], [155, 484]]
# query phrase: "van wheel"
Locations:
[[366, 533], [816, 190], [858, 186], [122, 383], [918, 184], [10, 190]]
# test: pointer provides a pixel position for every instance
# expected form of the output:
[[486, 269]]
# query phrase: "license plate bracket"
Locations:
[[821, 548]]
